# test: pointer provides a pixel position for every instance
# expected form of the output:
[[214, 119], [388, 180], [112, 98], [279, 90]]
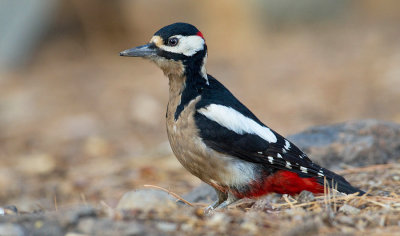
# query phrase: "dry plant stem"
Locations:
[[169, 192], [83, 197], [110, 211], [288, 201], [55, 202]]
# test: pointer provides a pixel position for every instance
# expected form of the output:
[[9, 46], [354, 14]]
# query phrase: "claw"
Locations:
[[211, 207], [219, 205]]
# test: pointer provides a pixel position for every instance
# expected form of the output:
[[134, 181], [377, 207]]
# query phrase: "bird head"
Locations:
[[178, 49]]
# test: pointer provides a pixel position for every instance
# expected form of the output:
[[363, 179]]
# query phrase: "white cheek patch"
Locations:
[[187, 45], [237, 122]]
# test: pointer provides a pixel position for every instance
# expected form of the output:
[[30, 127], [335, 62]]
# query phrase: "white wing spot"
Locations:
[[271, 159], [320, 173], [279, 155], [237, 122], [303, 169], [284, 150], [288, 165], [260, 153], [287, 145]]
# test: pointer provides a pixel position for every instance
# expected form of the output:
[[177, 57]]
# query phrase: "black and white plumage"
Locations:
[[216, 137]]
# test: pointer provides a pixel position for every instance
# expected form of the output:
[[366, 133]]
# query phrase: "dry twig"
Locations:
[[169, 192]]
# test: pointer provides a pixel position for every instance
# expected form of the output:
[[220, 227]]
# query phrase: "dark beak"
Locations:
[[147, 50]]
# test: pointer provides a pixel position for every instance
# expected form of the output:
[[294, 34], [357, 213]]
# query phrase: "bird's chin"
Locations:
[[168, 66]]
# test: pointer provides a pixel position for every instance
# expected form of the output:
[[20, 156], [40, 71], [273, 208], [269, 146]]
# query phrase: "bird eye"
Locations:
[[173, 41]]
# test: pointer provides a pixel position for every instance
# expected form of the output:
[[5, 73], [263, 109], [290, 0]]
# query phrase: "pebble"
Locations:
[[11, 229], [305, 196], [349, 209], [86, 225], [146, 200], [134, 228], [72, 217], [204, 193], [35, 164], [347, 220], [166, 226]]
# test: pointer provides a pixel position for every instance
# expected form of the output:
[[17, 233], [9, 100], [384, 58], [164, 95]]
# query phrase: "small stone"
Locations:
[[347, 220], [11, 229], [187, 227], [308, 227], [146, 200], [305, 196], [249, 226], [166, 226], [72, 217], [40, 163], [347, 209], [218, 219], [204, 193], [86, 225], [74, 234], [97, 146], [264, 203], [10, 210], [135, 229]]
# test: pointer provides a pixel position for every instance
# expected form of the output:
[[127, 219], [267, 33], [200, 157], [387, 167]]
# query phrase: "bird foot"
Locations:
[[219, 205]]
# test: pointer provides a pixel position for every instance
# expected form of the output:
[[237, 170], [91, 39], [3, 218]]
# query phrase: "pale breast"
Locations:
[[208, 165]]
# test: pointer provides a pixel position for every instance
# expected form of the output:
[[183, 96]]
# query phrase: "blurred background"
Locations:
[[80, 124]]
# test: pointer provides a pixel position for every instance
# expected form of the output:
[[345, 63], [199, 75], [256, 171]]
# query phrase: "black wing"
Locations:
[[252, 148], [281, 154]]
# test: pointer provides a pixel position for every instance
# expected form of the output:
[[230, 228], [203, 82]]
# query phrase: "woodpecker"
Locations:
[[218, 139]]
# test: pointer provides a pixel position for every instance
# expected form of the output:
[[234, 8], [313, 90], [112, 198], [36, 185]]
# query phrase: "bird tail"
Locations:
[[335, 181]]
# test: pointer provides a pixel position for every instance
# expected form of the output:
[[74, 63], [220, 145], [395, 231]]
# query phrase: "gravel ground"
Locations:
[[156, 212]]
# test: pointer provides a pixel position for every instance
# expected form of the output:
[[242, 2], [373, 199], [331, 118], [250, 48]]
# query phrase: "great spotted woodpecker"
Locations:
[[216, 138]]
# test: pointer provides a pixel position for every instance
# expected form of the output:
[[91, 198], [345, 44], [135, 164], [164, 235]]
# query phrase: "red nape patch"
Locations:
[[200, 34], [283, 182]]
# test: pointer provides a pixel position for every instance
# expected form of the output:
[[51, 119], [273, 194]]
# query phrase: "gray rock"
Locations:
[[72, 217], [86, 225], [166, 226], [106, 226], [305, 196], [10, 210], [146, 200], [11, 229], [349, 209], [134, 228], [356, 143], [204, 193]]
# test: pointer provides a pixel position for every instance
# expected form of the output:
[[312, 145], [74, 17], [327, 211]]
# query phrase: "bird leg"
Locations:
[[224, 200], [231, 199], [222, 197]]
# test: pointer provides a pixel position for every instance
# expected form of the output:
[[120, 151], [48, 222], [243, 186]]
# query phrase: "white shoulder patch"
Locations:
[[237, 122], [187, 45]]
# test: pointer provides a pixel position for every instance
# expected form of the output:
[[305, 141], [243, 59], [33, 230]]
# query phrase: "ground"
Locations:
[[331, 214]]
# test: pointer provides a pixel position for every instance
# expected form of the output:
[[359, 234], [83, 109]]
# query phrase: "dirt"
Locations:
[[332, 214]]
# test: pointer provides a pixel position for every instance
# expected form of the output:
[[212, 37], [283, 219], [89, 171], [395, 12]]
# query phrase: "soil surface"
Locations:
[[154, 210]]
